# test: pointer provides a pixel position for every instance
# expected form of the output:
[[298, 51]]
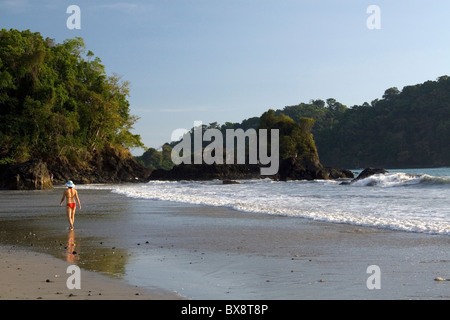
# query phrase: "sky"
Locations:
[[230, 60]]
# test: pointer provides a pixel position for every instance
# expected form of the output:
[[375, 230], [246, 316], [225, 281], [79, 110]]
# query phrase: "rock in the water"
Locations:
[[230, 182], [294, 168], [369, 172], [334, 173]]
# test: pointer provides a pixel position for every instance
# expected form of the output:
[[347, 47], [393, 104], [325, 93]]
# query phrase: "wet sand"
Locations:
[[25, 275], [167, 250]]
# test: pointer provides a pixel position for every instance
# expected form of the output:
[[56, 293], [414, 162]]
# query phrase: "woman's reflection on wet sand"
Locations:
[[71, 252]]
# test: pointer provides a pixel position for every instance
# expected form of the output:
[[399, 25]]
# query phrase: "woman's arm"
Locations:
[[78, 199], [64, 195]]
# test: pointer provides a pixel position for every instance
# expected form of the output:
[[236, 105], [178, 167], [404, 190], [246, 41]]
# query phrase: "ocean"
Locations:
[[413, 200]]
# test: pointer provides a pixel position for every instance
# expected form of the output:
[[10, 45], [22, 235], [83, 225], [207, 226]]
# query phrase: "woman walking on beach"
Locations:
[[71, 194]]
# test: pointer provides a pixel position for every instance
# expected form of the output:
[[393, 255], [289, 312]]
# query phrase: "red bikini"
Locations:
[[71, 205]]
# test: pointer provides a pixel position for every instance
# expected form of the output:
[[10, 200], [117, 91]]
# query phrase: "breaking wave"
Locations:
[[400, 179], [398, 201]]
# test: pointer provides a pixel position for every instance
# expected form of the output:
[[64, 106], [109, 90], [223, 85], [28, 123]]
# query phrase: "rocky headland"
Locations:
[[289, 169], [109, 166]]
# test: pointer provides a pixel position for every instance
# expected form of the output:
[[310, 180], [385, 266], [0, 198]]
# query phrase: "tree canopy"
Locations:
[[155, 159], [405, 128], [56, 101], [296, 139]]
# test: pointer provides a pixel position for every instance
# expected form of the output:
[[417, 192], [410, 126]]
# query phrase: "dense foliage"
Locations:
[[56, 101], [408, 128], [155, 159], [296, 139]]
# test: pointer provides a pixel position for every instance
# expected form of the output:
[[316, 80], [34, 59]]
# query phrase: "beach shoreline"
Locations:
[[202, 252]]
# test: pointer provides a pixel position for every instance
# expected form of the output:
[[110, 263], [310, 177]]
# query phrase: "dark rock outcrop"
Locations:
[[30, 175], [366, 173], [109, 166], [334, 173], [296, 169], [201, 172], [289, 169], [230, 182], [369, 172]]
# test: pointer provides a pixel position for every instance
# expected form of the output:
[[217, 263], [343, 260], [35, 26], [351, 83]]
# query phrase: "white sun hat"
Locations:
[[69, 184]]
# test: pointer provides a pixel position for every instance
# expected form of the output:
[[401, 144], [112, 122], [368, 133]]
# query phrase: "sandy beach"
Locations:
[[143, 249], [28, 275]]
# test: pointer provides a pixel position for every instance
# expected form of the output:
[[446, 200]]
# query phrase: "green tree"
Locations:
[[296, 139], [57, 102], [155, 159]]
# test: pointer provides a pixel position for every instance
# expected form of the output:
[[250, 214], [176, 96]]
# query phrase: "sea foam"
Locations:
[[397, 201]]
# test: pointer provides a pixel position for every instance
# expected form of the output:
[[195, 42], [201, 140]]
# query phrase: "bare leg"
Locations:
[[68, 212], [72, 216], [69, 217]]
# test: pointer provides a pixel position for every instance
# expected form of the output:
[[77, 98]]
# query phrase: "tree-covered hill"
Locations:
[[295, 139], [407, 128], [57, 104], [56, 100]]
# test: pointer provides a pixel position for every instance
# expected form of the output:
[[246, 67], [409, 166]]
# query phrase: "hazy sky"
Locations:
[[229, 60]]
